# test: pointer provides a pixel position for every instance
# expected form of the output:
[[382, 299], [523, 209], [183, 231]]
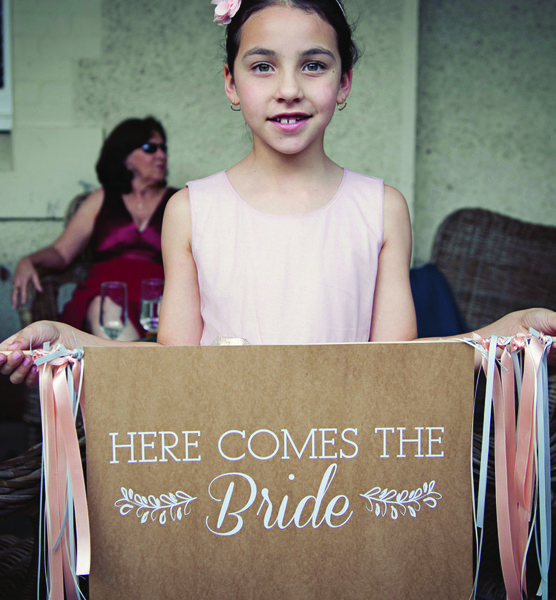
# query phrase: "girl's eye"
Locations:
[[262, 68], [314, 67]]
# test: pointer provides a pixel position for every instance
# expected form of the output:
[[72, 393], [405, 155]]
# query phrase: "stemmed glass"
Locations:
[[151, 297], [113, 308]]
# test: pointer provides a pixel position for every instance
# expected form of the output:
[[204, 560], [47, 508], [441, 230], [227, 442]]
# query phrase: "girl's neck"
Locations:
[[289, 185]]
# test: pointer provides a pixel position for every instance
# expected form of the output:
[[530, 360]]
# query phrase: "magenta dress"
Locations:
[[120, 253], [287, 279]]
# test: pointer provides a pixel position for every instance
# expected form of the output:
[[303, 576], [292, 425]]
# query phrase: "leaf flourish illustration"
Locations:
[[401, 503], [176, 505]]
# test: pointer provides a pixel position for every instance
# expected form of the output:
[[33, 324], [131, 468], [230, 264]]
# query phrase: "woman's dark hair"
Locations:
[[122, 141], [330, 11]]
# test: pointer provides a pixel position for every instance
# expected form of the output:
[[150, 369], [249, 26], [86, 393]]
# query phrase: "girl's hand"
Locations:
[[19, 366], [25, 272], [540, 319]]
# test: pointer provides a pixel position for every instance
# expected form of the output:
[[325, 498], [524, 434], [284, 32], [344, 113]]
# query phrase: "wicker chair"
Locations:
[[19, 493], [495, 264], [19, 497]]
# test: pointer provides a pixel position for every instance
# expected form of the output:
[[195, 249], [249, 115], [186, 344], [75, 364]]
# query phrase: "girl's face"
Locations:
[[149, 166], [288, 78]]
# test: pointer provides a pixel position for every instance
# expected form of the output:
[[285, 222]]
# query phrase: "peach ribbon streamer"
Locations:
[[65, 502], [521, 453]]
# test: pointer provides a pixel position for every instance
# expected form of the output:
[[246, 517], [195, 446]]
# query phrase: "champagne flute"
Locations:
[[151, 297], [113, 308]]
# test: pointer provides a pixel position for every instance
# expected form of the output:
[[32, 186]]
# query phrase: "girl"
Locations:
[[286, 246]]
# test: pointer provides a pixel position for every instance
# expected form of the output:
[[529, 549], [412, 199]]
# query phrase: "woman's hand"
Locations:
[[62, 252], [25, 272]]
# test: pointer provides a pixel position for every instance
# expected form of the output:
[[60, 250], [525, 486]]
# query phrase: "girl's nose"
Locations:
[[289, 88]]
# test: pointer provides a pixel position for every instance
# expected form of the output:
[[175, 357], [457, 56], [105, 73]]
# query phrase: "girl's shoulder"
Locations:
[[394, 200], [363, 185], [216, 180], [396, 214], [348, 173], [178, 201], [177, 220], [393, 195], [208, 192]]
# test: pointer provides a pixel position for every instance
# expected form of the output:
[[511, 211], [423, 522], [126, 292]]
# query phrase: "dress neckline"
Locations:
[[306, 214]]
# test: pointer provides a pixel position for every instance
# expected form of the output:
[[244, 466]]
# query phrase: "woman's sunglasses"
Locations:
[[152, 147]]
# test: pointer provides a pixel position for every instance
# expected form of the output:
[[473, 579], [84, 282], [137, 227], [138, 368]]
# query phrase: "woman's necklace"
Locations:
[[140, 209]]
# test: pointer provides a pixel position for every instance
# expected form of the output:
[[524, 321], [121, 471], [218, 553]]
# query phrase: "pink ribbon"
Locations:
[[65, 501]]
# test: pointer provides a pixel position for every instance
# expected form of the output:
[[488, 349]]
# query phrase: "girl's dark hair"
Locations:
[[122, 141], [330, 11]]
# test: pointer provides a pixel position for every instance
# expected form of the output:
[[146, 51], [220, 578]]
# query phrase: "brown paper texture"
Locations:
[[319, 471]]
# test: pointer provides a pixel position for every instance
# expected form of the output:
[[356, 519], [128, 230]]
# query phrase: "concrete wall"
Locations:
[[486, 111]]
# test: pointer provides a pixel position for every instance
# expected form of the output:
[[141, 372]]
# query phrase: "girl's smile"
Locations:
[[290, 122], [287, 78]]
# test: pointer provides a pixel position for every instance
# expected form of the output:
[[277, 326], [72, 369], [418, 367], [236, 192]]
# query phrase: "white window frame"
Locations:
[[6, 103]]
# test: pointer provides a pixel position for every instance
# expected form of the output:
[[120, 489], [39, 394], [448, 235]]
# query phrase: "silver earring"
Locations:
[[342, 105], [235, 107]]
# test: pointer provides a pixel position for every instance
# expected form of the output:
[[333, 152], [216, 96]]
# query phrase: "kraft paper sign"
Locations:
[[328, 471]]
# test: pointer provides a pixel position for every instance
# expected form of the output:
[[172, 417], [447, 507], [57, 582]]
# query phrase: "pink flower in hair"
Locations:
[[225, 10]]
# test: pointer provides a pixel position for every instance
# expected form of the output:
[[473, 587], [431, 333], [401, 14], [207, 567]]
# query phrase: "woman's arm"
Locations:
[[180, 315], [393, 311], [180, 318], [60, 253]]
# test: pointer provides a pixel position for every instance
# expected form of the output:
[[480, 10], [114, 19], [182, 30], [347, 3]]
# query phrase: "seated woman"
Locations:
[[122, 221]]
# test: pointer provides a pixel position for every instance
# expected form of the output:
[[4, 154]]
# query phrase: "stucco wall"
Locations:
[[81, 67], [167, 60], [49, 150], [486, 111]]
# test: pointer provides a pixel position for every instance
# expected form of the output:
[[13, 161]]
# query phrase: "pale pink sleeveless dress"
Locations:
[[287, 279]]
